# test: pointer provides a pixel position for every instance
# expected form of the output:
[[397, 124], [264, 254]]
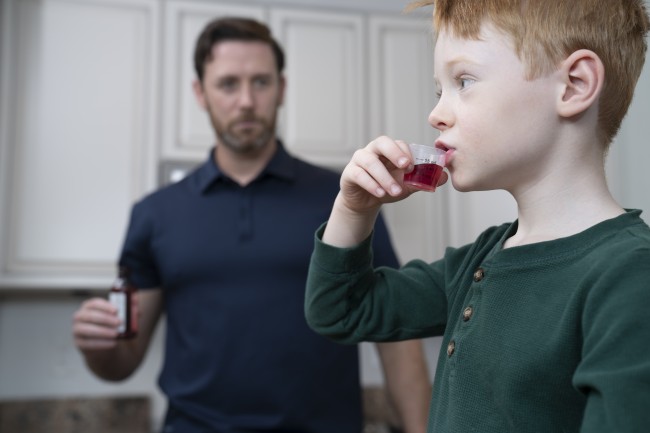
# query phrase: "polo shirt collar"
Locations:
[[281, 166]]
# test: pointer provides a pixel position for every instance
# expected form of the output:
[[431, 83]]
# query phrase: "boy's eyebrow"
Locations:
[[460, 59], [453, 62]]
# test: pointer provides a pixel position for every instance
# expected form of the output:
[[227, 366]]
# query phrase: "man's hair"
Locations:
[[233, 29], [545, 32]]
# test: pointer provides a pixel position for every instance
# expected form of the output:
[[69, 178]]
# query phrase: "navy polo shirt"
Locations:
[[232, 263]]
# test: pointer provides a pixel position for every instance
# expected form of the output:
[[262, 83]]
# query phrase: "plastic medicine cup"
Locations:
[[428, 163]]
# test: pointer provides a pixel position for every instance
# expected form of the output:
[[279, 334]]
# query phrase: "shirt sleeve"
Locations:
[[137, 252], [349, 301], [614, 372]]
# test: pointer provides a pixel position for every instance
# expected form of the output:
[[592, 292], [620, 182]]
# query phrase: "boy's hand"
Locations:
[[374, 176]]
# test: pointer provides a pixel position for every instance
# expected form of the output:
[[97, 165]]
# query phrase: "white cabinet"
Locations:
[[401, 96], [324, 116], [332, 61], [96, 94], [77, 135]]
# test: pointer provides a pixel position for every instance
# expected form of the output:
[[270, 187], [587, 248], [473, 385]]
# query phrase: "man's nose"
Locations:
[[246, 97]]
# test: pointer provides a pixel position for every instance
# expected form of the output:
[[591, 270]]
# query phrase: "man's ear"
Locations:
[[197, 86], [583, 77], [282, 89]]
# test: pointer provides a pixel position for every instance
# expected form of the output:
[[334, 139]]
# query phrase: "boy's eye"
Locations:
[[463, 82]]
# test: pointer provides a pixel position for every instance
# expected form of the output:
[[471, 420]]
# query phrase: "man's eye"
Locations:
[[262, 82], [228, 85]]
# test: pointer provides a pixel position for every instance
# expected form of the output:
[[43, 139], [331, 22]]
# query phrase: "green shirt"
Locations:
[[547, 337]]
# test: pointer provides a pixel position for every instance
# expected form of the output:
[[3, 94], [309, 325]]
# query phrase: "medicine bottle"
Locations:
[[121, 296]]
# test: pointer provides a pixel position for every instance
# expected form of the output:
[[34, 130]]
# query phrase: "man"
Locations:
[[224, 255]]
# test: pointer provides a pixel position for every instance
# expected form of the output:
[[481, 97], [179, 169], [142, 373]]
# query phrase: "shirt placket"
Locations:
[[468, 313], [245, 220]]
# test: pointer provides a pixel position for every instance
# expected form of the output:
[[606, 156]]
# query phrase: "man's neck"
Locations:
[[243, 168]]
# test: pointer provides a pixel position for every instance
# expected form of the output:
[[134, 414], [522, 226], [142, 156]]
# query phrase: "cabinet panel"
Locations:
[[402, 88], [78, 136], [322, 120], [401, 97], [187, 130]]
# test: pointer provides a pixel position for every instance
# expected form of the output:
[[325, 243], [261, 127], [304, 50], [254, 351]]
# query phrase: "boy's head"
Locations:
[[233, 29], [545, 32]]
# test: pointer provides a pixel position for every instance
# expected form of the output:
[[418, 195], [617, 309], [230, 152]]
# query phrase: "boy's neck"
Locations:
[[563, 206]]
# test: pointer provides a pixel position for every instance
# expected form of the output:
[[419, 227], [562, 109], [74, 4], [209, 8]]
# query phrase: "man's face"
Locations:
[[241, 91], [499, 124]]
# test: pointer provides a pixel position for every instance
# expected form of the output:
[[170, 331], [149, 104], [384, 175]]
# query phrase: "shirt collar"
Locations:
[[281, 166]]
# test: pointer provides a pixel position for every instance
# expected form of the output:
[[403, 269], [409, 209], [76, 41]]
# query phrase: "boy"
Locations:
[[545, 319]]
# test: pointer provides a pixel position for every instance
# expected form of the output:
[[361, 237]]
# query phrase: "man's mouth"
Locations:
[[246, 122]]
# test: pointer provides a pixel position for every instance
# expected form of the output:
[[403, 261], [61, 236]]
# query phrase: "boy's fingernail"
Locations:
[[395, 189], [403, 161]]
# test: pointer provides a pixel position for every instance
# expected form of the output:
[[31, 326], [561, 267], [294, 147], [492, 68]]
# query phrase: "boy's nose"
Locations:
[[438, 118]]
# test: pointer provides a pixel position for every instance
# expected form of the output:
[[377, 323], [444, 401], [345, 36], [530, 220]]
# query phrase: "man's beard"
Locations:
[[243, 143]]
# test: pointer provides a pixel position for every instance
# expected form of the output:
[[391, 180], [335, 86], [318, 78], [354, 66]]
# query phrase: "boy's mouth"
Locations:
[[439, 144], [449, 151]]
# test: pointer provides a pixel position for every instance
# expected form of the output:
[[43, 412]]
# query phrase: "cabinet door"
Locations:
[[77, 139], [187, 132], [402, 95], [323, 118]]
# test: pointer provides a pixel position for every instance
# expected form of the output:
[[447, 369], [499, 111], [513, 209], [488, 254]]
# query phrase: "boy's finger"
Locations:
[[394, 151]]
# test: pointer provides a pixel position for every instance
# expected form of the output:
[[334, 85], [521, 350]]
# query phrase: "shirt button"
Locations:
[[451, 347], [467, 313], [479, 274]]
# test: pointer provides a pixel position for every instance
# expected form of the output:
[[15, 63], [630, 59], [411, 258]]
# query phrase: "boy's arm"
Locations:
[[348, 300], [341, 272], [614, 372], [407, 381]]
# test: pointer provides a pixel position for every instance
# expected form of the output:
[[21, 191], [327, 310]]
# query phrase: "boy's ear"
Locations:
[[583, 76]]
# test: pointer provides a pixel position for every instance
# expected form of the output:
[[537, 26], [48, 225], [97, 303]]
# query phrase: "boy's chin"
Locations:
[[469, 185]]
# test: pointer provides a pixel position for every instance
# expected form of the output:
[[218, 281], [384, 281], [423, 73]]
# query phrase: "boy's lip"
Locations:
[[441, 145], [449, 151]]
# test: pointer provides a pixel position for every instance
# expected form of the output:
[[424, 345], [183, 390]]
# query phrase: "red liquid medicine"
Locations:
[[424, 176], [121, 296]]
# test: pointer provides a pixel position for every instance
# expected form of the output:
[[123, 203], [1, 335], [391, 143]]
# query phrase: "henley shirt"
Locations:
[[543, 338]]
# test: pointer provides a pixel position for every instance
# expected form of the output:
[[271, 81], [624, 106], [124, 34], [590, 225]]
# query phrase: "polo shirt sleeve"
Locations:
[[382, 247], [349, 301], [137, 252], [614, 372]]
